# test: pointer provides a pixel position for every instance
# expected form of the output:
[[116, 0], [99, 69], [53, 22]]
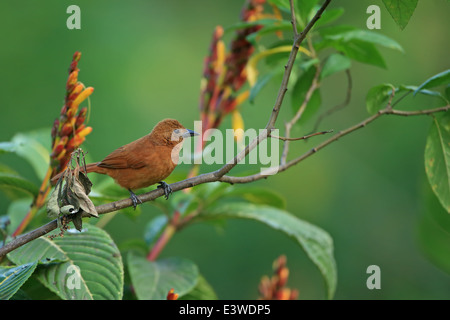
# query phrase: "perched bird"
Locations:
[[145, 161]]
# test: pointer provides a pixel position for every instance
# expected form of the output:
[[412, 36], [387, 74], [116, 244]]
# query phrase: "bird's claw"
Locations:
[[167, 189], [134, 198]]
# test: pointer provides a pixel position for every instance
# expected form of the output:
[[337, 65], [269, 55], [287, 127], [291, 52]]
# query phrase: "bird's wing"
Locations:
[[122, 158]]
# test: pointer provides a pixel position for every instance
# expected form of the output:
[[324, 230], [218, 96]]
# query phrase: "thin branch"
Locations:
[[340, 134], [301, 138], [288, 125], [339, 106], [288, 68], [212, 177], [293, 18]]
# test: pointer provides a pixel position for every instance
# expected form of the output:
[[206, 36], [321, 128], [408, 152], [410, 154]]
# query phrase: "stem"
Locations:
[[300, 138], [167, 234]]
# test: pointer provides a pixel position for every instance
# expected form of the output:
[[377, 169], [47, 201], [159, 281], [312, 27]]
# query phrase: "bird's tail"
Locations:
[[91, 167]]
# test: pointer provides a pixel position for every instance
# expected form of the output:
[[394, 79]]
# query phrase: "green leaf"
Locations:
[[258, 195], [299, 92], [401, 10], [12, 278], [153, 280], [92, 267], [329, 16], [434, 232], [367, 36], [305, 9], [154, 228], [17, 211], [108, 191], [16, 182], [437, 158], [210, 192], [334, 31], [281, 4], [259, 85], [316, 242], [202, 291], [33, 146], [280, 25], [361, 51], [421, 91], [436, 80], [335, 63], [247, 24], [377, 97]]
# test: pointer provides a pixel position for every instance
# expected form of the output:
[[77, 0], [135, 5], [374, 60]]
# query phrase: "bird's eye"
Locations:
[[176, 131]]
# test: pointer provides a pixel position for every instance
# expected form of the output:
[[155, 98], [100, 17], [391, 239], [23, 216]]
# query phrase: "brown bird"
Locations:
[[145, 161]]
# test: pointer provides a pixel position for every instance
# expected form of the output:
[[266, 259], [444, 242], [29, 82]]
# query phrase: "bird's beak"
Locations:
[[189, 133]]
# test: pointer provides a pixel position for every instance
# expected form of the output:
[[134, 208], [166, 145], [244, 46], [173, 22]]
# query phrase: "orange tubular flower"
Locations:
[[224, 73], [69, 131], [275, 288]]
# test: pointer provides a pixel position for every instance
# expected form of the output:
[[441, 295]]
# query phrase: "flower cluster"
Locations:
[[224, 73], [172, 295], [69, 131], [274, 288]]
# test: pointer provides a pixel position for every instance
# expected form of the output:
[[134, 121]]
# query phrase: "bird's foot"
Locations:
[[135, 199], [167, 189]]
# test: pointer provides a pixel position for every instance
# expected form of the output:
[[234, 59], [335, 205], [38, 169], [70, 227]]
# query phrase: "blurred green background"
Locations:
[[145, 60]]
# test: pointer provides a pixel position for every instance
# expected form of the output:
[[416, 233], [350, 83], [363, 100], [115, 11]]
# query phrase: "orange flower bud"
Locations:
[[220, 51], [74, 143], [83, 132], [242, 97], [283, 294], [238, 125], [283, 275], [81, 97], [71, 112], [75, 92], [72, 80], [280, 262], [218, 32]]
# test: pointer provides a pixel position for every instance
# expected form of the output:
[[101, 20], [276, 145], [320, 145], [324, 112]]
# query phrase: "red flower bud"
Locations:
[[66, 130], [61, 155], [81, 117], [57, 150], [171, 295], [74, 143]]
